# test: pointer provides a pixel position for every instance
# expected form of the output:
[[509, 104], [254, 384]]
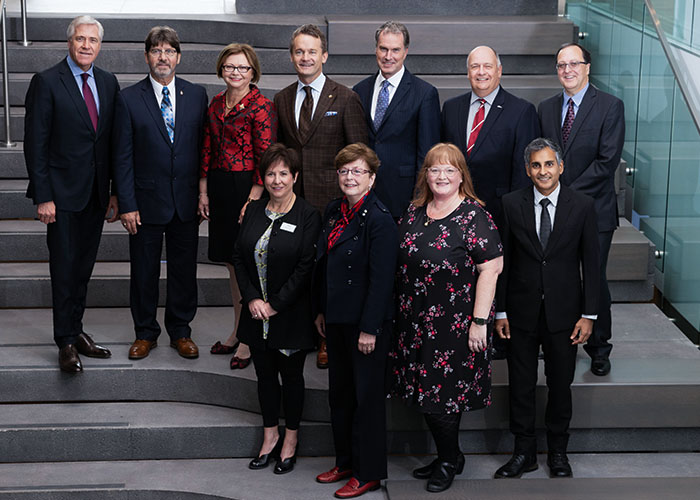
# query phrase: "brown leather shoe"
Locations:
[[185, 347], [322, 355], [141, 348], [87, 347], [68, 359]]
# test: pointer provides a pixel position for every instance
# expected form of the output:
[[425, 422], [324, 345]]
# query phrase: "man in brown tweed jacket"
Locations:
[[336, 117]]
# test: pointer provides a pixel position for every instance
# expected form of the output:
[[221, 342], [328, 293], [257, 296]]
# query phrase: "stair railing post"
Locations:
[[5, 78], [24, 42]]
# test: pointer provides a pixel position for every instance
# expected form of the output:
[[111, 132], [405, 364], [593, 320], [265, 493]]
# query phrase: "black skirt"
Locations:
[[228, 192]]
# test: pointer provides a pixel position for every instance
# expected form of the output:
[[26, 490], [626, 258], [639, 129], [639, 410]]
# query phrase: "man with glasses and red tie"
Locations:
[[158, 133], [67, 133], [589, 126]]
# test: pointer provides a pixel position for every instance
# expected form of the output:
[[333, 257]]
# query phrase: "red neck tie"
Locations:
[[568, 123], [476, 127], [89, 100]]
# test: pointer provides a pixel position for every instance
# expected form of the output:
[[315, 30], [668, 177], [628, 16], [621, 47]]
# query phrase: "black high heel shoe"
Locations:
[[264, 460], [286, 465]]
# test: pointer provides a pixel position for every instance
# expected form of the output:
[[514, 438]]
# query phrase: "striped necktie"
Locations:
[[166, 109], [478, 122]]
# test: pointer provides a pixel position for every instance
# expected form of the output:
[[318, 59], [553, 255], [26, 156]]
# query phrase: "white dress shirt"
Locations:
[[158, 90], [474, 107], [316, 89], [394, 81]]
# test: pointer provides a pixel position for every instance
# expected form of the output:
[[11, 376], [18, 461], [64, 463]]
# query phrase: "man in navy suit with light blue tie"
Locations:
[[157, 136], [403, 118]]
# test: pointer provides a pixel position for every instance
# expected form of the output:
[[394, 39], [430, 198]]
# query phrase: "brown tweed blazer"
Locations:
[[338, 121]]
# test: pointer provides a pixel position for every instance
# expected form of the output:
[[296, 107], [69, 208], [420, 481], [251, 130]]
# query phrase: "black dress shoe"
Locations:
[[264, 460], [558, 464], [516, 466], [600, 366], [443, 475], [426, 471], [85, 346], [286, 465], [68, 359]]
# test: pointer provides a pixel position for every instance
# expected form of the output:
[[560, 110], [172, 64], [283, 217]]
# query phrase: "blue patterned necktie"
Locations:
[[382, 104], [166, 109]]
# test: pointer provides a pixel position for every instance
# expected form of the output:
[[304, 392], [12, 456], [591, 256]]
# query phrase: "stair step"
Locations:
[[12, 159], [139, 431], [29, 285]]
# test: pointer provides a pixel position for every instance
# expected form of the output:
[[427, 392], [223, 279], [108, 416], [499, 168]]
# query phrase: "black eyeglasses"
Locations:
[[160, 52], [230, 68]]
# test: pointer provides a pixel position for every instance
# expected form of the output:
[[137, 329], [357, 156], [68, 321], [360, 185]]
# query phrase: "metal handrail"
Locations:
[[24, 42], [5, 77]]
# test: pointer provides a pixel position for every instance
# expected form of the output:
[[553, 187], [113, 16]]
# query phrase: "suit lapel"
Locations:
[[68, 81], [462, 119], [104, 101], [527, 210], [325, 100], [494, 113], [555, 110], [149, 99], [560, 217], [367, 101], [400, 93], [586, 106], [180, 99]]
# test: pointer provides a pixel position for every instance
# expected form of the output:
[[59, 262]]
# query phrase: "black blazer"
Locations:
[[496, 161], [290, 261], [592, 153], [63, 152], [564, 275], [354, 282], [411, 126], [154, 176]]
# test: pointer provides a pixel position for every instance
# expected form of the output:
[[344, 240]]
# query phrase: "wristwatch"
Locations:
[[479, 321]]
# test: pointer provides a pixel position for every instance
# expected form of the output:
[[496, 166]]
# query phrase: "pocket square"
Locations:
[[331, 113]]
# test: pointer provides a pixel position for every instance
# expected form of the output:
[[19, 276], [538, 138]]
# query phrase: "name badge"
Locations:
[[331, 113], [286, 226]]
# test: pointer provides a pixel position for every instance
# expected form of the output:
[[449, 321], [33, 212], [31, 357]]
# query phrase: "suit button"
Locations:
[[349, 282], [544, 262], [354, 238], [349, 267], [349, 252]]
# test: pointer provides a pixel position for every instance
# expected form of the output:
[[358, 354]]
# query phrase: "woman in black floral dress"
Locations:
[[450, 256]]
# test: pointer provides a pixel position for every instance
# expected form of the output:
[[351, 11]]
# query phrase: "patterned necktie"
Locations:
[[545, 223], [89, 100], [305, 114], [478, 122], [382, 104], [166, 109], [568, 123]]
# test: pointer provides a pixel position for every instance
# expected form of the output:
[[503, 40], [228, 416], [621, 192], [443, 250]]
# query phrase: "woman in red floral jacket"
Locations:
[[241, 125]]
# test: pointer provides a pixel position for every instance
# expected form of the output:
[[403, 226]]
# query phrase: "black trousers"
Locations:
[[73, 241], [145, 249], [559, 367], [357, 399], [598, 345], [270, 364]]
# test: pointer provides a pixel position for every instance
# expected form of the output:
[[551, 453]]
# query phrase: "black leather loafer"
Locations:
[[558, 464], [516, 466], [600, 366]]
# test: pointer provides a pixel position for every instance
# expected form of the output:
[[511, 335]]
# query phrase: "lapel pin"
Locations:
[[241, 107], [499, 106], [330, 96], [182, 93]]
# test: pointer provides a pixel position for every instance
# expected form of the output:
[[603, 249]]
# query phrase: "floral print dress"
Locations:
[[432, 366]]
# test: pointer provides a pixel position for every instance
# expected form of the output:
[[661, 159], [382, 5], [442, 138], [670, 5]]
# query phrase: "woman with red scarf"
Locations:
[[356, 258]]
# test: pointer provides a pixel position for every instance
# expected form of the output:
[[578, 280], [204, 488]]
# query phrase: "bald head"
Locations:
[[484, 69]]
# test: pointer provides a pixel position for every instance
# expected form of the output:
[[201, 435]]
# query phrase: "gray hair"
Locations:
[[395, 28], [498, 58], [538, 145], [79, 21]]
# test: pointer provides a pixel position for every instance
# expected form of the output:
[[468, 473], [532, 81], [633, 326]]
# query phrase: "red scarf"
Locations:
[[346, 215]]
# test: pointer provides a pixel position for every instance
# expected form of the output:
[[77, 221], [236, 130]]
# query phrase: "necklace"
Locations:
[[230, 107], [440, 213], [286, 207]]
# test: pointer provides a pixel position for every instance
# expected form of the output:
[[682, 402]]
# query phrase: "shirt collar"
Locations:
[[317, 84], [158, 87], [76, 70], [489, 98], [577, 97], [393, 80], [553, 196]]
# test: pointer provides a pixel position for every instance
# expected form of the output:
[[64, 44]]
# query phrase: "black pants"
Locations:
[[560, 365], [73, 241], [270, 364], [145, 247], [357, 399], [598, 345]]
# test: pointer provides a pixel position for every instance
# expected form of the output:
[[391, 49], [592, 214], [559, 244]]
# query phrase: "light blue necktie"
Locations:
[[166, 109], [382, 104]]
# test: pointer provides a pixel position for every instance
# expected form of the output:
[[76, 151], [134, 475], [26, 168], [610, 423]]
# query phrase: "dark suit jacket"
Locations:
[[496, 161], [290, 261], [592, 153], [564, 275], [353, 283], [63, 152], [411, 126], [338, 121], [154, 176]]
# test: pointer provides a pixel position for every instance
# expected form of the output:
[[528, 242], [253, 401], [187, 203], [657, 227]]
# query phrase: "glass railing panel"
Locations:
[[682, 265]]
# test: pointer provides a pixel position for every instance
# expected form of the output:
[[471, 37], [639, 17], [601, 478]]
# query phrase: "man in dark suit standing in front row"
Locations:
[[589, 126], [67, 135], [158, 129], [547, 296], [403, 118]]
